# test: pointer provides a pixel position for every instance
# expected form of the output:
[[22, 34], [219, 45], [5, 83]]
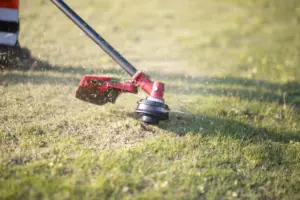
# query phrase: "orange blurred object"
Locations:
[[9, 4]]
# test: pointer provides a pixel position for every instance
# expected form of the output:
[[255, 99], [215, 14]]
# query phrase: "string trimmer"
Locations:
[[103, 89]]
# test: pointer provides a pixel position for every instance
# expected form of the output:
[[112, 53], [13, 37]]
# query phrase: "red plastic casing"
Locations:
[[105, 83], [154, 89]]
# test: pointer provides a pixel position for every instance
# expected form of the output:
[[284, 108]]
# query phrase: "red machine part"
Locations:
[[103, 83], [102, 89], [154, 89]]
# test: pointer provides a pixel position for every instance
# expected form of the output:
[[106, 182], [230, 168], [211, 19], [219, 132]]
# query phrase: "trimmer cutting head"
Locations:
[[152, 111]]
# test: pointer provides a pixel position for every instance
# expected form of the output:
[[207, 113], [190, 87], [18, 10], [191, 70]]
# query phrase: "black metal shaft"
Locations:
[[115, 55]]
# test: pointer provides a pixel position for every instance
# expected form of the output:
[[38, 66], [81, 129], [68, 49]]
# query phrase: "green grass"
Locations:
[[232, 75]]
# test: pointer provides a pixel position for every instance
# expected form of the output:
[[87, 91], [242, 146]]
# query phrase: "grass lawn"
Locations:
[[232, 75]]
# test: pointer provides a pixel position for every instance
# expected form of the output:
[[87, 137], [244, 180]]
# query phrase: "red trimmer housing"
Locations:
[[102, 89]]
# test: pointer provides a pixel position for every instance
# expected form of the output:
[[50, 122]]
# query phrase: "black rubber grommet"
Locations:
[[151, 111], [150, 120]]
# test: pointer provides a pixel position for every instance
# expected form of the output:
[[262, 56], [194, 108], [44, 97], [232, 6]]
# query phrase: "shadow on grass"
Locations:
[[273, 92], [212, 125], [12, 79], [76, 70], [67, 74], [289, 96], [262, 91], [182, 125]]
